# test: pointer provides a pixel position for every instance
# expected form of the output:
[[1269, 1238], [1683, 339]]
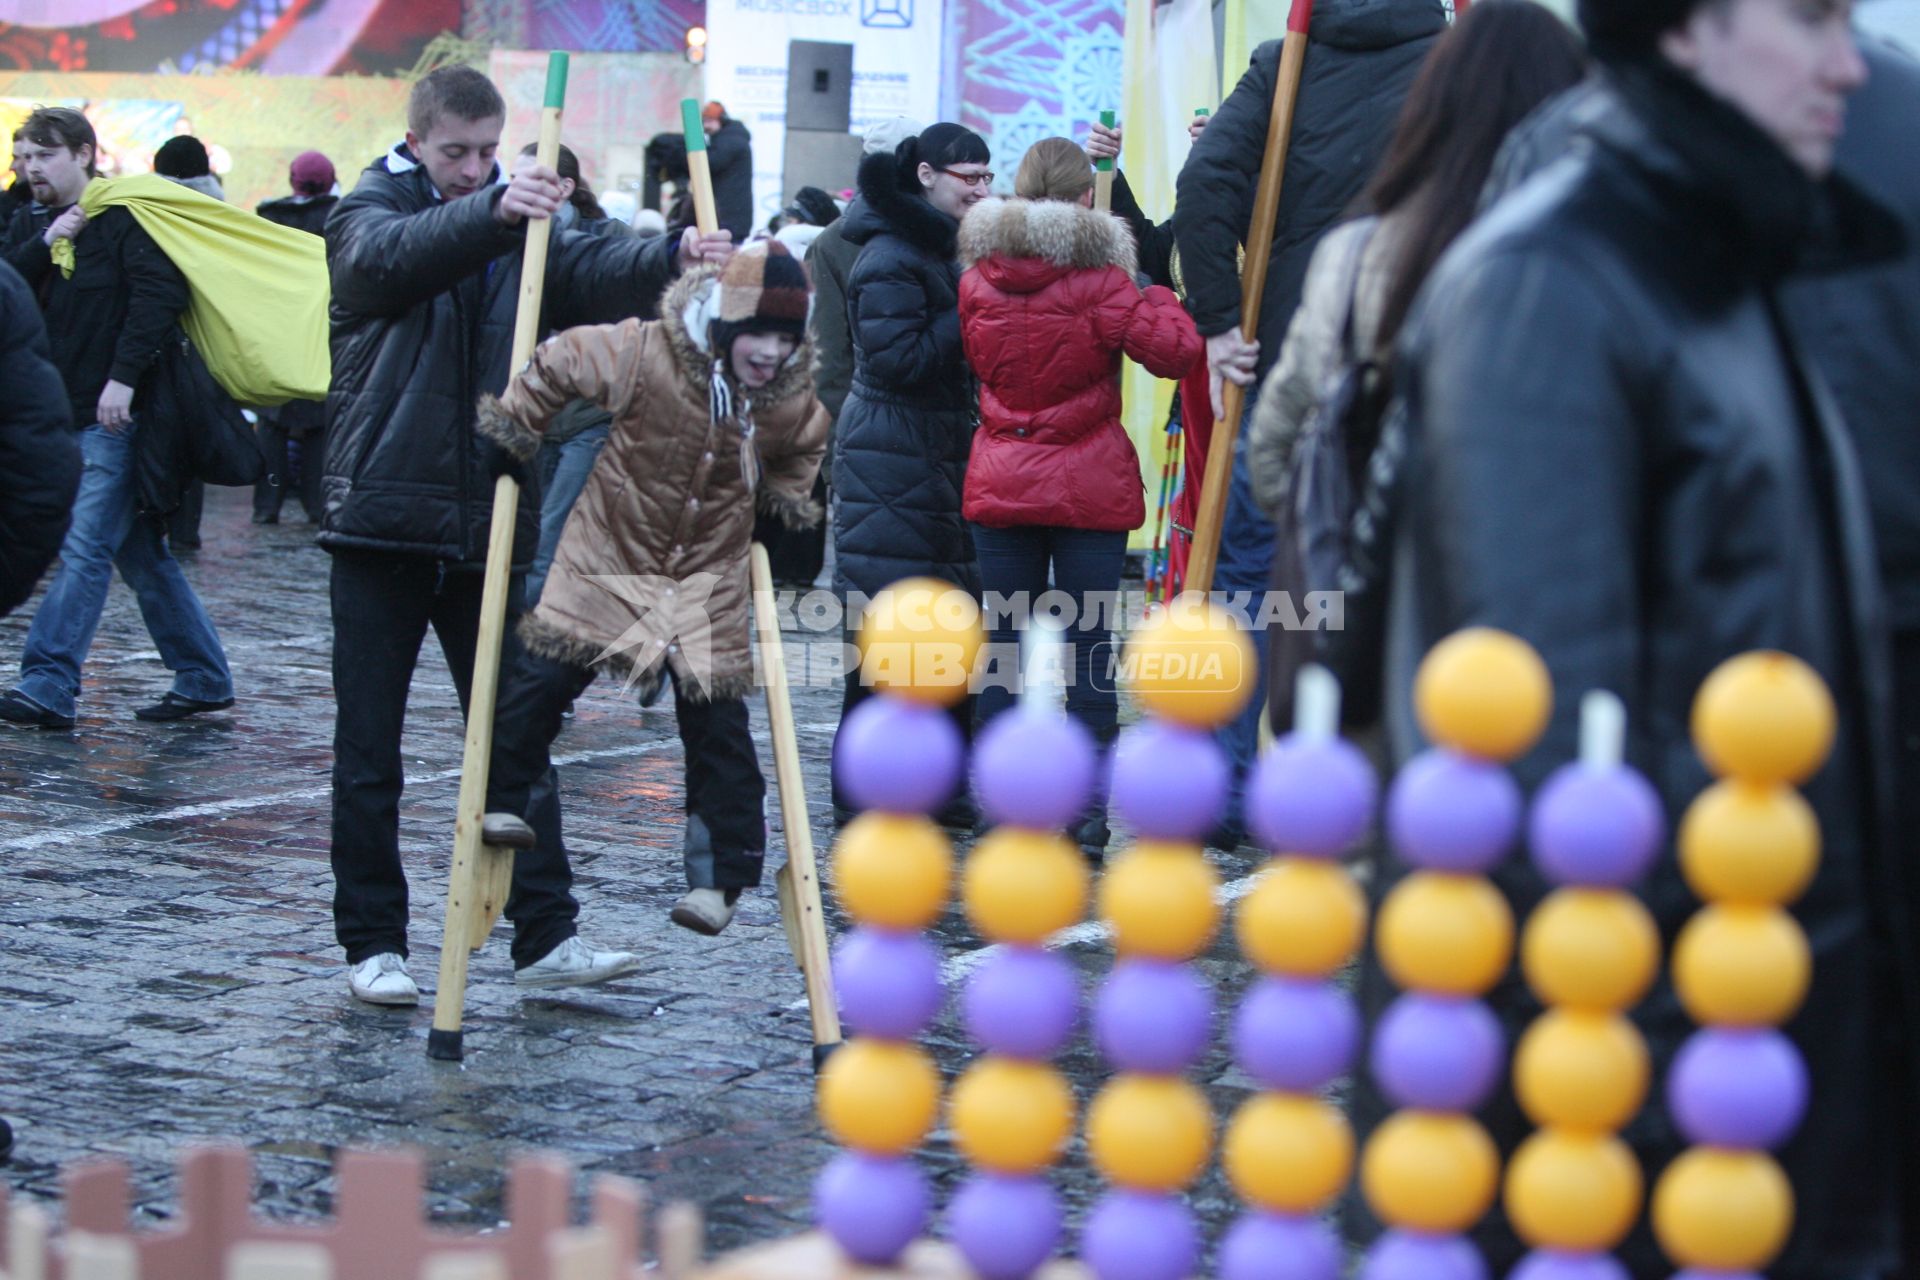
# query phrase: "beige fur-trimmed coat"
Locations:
[[651, 571]]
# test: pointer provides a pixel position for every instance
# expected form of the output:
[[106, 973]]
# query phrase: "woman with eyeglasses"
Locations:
[[1048, 305], [900, 456]]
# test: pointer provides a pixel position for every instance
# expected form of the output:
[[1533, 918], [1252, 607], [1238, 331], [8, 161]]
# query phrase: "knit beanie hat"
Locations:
[[815, 205], [182, 157], [311, 174], [886, 136], [762, 289], [1619, 29]]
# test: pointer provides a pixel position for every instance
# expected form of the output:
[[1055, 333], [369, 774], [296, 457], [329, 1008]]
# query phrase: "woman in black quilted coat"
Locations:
[[900, 456]]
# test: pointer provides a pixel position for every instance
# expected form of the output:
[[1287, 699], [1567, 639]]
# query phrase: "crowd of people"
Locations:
[[1612, 343]]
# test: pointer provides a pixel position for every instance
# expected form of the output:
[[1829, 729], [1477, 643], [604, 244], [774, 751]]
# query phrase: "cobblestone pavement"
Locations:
[[170, 974]]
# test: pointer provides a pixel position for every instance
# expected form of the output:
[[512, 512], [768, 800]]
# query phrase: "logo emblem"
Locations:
[[886, 13]]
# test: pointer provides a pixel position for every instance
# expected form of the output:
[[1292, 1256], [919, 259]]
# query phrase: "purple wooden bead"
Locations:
[[888, 982], [872, 1206], [1273, 1246], [1034, 768], [1596, 827], [1006, 1227], [898, 756], [1168, 783], [1437, 1053], [1023, 1002], [1138, 1235], [1450, 812], [1295, 1035], [1737, 1088], [1153, 1017], [1413, 1255], [1551, 1265], [1311, 797]]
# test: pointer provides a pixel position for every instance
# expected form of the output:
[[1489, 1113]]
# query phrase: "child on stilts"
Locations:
[[714, 416]]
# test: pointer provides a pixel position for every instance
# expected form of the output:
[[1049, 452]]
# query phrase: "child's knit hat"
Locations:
[[762, 289]]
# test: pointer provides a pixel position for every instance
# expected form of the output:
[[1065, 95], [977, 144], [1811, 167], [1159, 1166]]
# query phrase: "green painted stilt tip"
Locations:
[[557, 62], [691, 126]]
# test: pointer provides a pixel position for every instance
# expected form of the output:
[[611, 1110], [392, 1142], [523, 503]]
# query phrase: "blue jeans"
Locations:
[[107, 533], [564, 469], [1244, 570], [1083, 562]]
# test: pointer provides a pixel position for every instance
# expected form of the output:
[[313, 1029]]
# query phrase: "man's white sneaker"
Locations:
[[705, 911], [575, 964], [383, 979]]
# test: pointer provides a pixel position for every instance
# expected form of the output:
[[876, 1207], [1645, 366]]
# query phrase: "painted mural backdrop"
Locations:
[[1030, 69], [282, 37]]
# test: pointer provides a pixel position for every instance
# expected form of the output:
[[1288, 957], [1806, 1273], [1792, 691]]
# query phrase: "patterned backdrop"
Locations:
[[1030, 69]]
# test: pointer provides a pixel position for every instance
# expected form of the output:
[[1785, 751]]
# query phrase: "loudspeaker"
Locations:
[[819, 86], [816, 158]]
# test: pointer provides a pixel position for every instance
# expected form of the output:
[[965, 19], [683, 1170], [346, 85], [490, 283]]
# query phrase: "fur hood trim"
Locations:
[[696, 365], [544, 639], [1062, 234], [889, 209], [792, 512]]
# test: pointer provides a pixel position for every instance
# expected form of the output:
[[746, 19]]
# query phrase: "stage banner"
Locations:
[[896, 67]]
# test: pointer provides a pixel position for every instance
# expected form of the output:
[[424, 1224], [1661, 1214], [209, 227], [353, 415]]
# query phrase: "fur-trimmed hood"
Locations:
[[1007, 239], [693, 356], [890, 211]]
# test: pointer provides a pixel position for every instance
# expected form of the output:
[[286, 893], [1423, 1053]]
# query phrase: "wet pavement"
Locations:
[[168, 972]]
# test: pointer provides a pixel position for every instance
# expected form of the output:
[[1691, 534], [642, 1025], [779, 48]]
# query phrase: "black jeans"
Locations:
[[726, 842], [1024, 563], [382, 606], [282, 475]]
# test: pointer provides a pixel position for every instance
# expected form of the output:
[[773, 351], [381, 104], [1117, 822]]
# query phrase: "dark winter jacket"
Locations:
[[302, 213], [39, 452], [13, 198], [1153, 241], [107, 320], [1862, 327], [830, 263], [900, 457], [1361, 58], [730, 157], [424, 294], [1047, 307], [1620, 455], [299, 418]]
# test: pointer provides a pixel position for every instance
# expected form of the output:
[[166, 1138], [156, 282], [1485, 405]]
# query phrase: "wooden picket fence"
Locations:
[[378, 1232]]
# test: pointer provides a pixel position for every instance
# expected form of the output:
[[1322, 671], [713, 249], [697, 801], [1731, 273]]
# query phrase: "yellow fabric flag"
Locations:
[[259, 291], [1170, 73]]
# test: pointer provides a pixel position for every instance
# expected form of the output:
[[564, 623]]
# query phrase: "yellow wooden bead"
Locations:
[[1721, 1210], [919, 639], [1484, 692], [1741, 966], [1763, 717], [1305, 918], [1009, 1116], [1580, 1071], [1021, 886], [893, 870], [1592, 949], [1749, 842], [1576, 1192], [1191, 663], [879, 1096], [1150, 1133], [1159, 898], [1444, 933], [1288, 1153], [1429, 1171]]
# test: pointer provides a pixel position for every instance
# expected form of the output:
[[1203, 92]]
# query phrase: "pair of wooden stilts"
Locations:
[[482, 874]]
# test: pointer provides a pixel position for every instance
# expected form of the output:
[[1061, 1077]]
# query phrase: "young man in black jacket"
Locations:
[[425, 261], [1362, 56], [107, 322], [730, 157]]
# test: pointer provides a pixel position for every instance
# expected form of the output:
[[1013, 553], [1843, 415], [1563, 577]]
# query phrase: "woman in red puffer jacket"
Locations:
[[1048, 305]]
